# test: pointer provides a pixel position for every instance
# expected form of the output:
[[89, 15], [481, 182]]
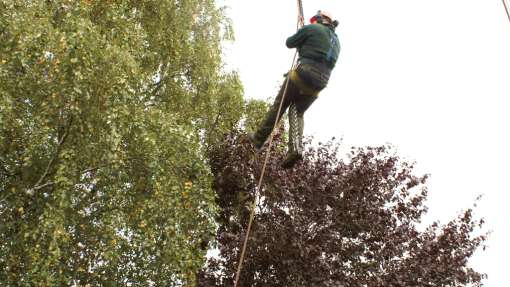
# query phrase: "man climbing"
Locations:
[[318, 49]]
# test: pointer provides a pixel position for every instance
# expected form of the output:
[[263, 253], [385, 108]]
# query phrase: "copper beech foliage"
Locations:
[[334, 222]]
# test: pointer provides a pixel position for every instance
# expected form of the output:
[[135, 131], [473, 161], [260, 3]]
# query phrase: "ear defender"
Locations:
[[320, 16], [316, 18]]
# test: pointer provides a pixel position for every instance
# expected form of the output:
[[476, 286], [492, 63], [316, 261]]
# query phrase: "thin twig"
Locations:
[[32, 190], [91, 169]]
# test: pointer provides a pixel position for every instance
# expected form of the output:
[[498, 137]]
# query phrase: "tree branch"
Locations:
[[32, 190], [162, 80], [38, 185], [157, 87], [91, 169]]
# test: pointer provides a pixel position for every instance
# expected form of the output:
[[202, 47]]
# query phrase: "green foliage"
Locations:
[[255, 111], [106, 109]]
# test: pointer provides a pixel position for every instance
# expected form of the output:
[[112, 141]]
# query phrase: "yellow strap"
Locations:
[[303, 87]]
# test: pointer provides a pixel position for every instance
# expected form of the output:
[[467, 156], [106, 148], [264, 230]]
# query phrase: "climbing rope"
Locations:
[[506, 9], [261, 178]]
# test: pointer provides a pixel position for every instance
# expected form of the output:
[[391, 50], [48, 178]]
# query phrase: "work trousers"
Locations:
[[297, 101]]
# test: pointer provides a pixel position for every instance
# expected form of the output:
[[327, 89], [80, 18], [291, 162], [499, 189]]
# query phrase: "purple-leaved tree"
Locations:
[[333, 222]]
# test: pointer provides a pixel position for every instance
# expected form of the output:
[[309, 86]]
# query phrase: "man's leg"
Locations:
[[295, 148], [296, 125], [268, 123]]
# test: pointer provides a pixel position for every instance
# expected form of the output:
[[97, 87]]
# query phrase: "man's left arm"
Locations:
[[298, 39]]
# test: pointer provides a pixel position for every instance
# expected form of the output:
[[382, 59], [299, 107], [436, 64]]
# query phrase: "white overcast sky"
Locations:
[[430, 77]]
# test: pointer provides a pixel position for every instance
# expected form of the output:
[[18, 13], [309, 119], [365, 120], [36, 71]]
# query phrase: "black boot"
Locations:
[[255, 143], [291, 159]]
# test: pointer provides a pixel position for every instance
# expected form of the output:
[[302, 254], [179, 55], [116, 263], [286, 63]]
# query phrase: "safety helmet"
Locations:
[[320, 15]]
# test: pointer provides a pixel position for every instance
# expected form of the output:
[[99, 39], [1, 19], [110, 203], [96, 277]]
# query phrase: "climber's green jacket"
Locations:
[[317, 42]]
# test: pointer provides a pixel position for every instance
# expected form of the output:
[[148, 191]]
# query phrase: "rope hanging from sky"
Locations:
[[506, 9], [259, 185]]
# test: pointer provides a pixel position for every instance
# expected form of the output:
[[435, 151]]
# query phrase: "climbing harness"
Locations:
[[259, 185]]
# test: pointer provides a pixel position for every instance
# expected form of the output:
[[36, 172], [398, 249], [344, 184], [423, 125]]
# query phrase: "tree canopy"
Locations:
[[334, 222], [106, 108]]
